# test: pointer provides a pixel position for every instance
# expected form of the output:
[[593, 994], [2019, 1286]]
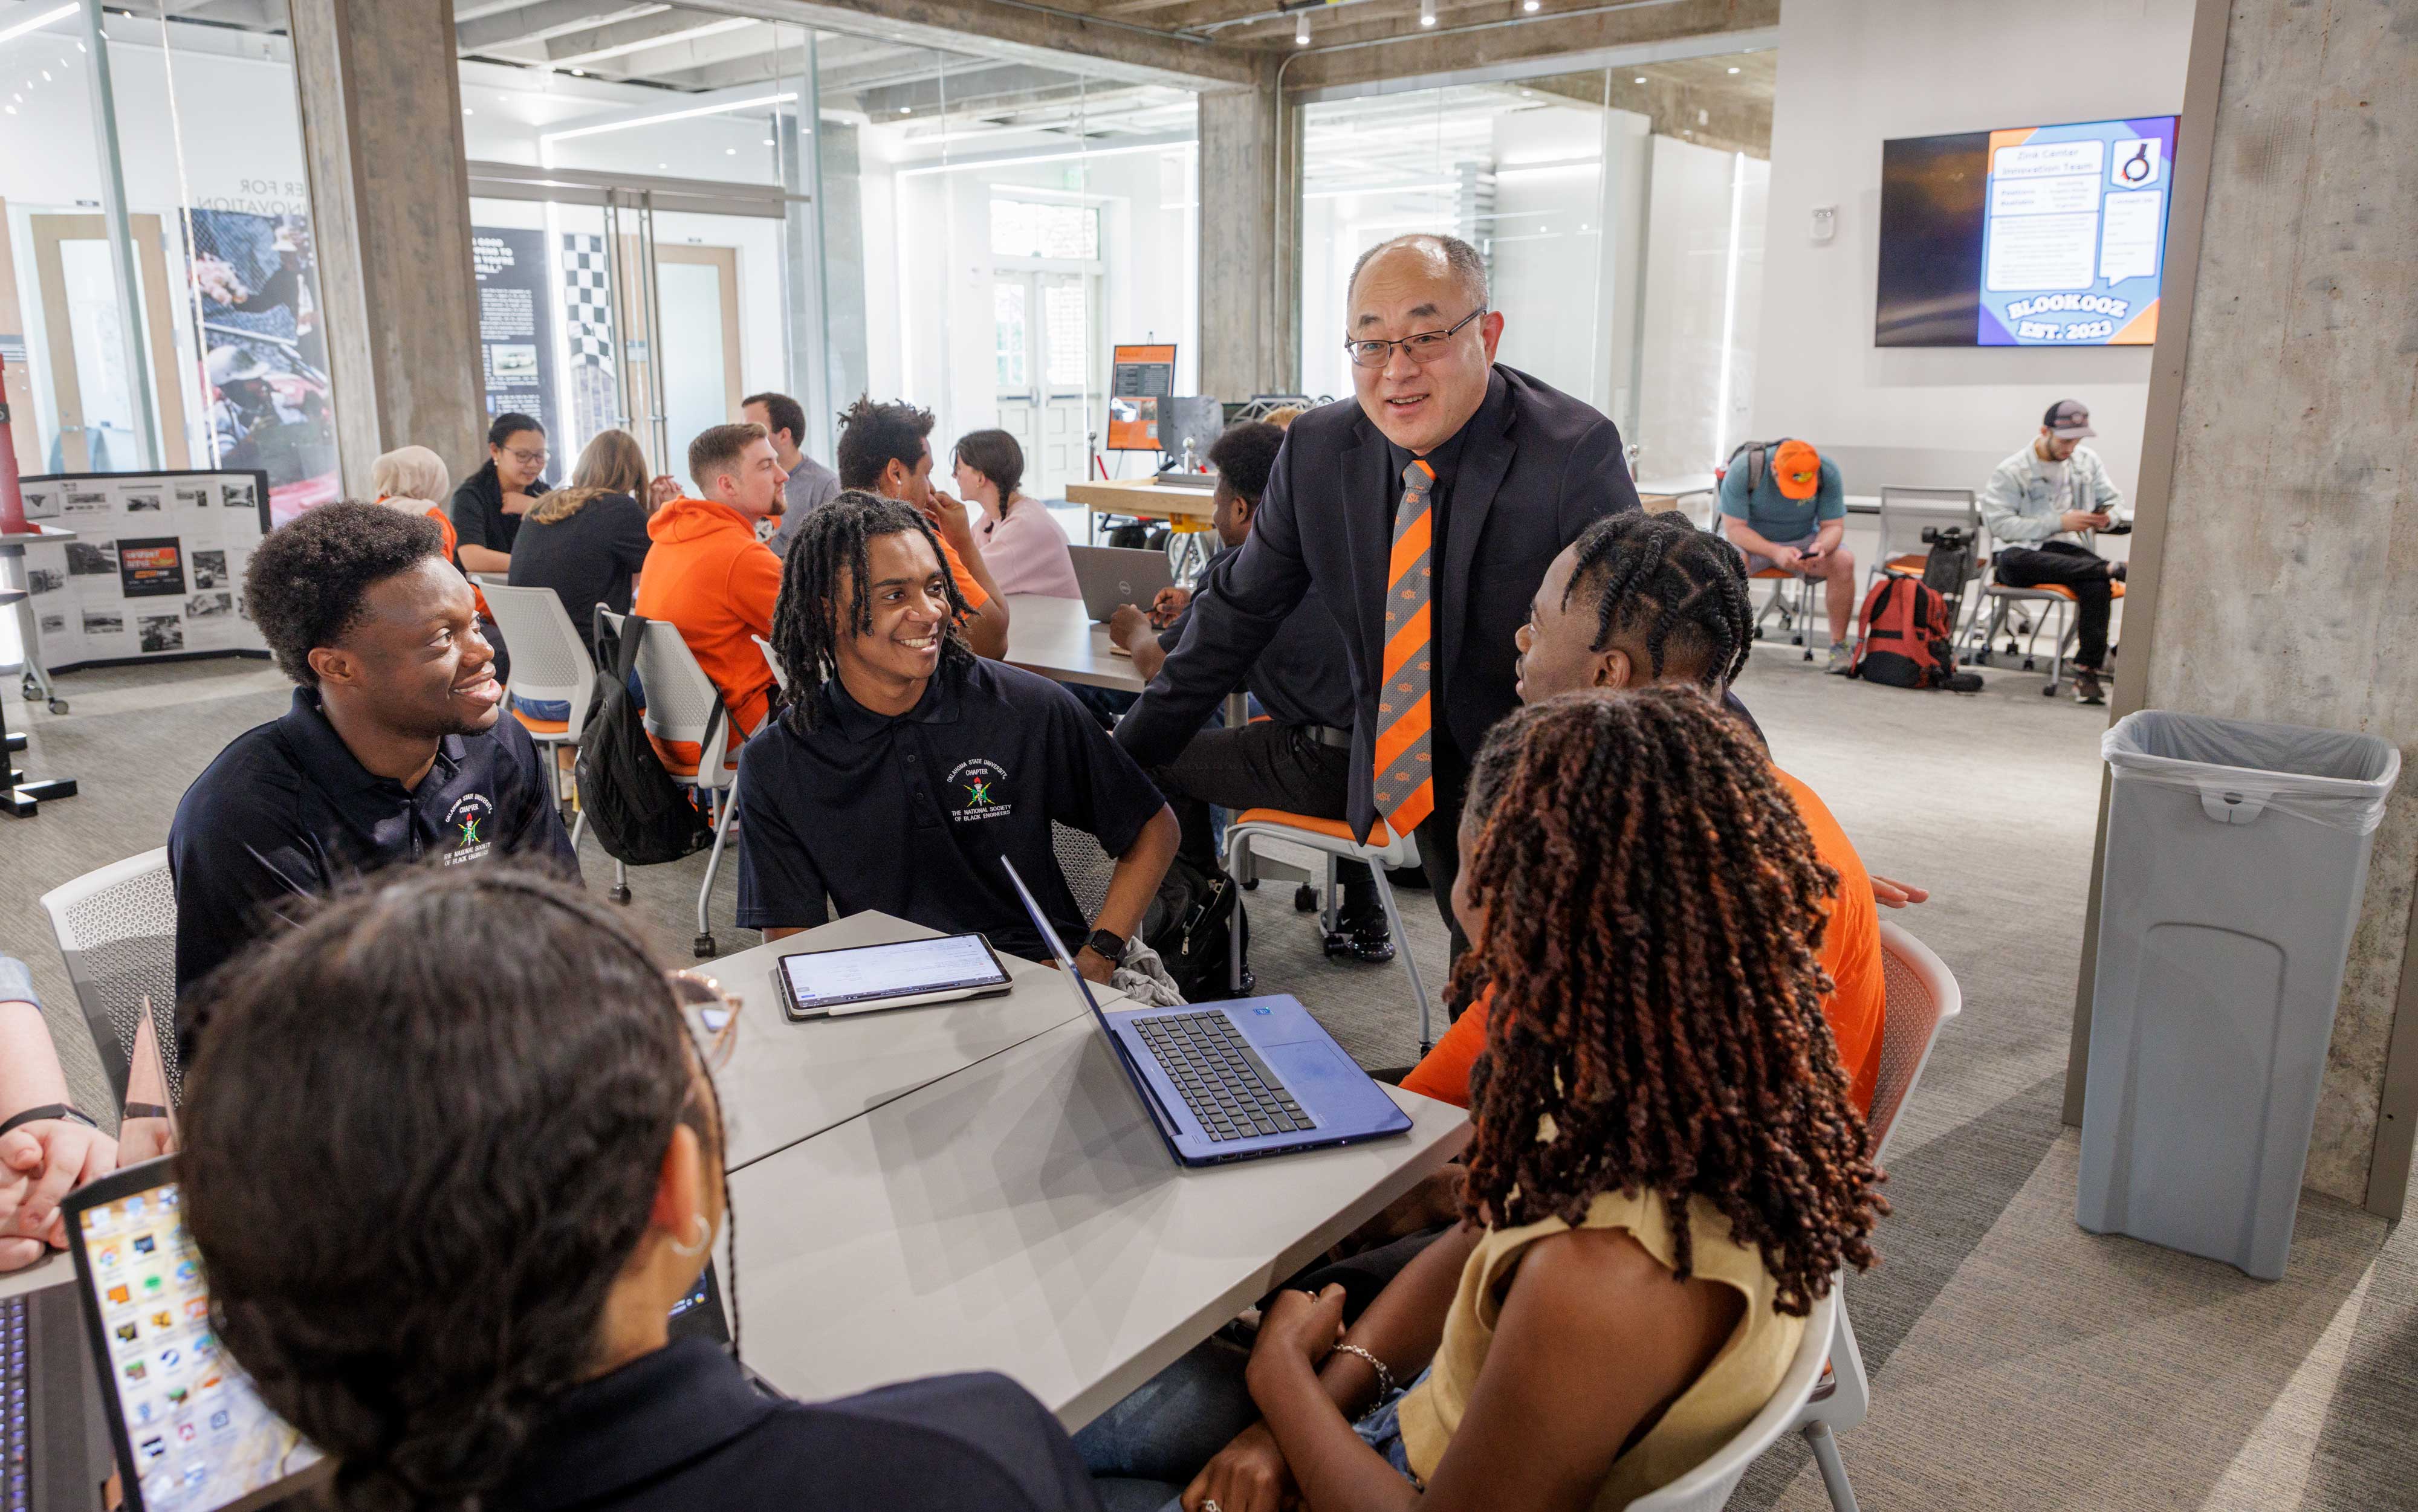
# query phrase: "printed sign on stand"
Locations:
[[154, 568]]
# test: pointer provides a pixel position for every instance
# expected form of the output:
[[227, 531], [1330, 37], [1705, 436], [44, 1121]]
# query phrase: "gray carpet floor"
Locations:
[[2017, 1362]]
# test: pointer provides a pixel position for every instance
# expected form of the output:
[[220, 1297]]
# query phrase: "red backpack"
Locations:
[[1905, 638]]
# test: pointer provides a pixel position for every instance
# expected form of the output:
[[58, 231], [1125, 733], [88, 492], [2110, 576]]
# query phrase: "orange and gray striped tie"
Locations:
[[1405, 784]]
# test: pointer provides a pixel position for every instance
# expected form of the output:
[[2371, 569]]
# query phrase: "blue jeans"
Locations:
[[1143, 1451]]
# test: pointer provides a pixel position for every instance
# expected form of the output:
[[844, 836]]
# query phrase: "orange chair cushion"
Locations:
[[1913, 563], [543, 726], [2064, 592], [1776, 572], [1333, 829]]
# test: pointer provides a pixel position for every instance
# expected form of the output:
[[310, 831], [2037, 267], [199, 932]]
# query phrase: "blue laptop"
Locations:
[[1234, 1080]]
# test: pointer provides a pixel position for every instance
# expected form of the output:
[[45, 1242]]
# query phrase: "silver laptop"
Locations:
[[1111, 576]]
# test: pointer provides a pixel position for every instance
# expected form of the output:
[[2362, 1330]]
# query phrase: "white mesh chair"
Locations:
[[550, 664], [780, 673], [116, 929], [1086, 866], [1919, 996], [1708, 1488], [1331, 838], [683, 707]]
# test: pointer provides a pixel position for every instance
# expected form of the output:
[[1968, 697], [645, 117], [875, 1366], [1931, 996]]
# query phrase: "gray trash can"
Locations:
[[2237, 856]]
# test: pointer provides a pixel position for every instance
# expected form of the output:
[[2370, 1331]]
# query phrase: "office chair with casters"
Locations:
[[2044, 600], [550, 664], [1918, 996], [1796, 615], [682, 703], [1708, 1488], [116, 929], [1332, 839]]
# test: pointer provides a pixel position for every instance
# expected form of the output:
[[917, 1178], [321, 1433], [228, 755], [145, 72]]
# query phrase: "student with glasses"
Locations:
[[488, 506], [444, 1230], [1423, 513]]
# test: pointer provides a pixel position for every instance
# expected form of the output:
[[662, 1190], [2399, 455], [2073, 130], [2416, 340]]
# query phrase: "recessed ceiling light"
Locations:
[[906, 110], [465, 110], [1529, 5], [1640, 79], [730, 152], [769, 141], [579, 73], [1734, 71]]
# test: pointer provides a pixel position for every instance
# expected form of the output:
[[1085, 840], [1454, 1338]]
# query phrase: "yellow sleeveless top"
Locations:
[[1733, 1388]]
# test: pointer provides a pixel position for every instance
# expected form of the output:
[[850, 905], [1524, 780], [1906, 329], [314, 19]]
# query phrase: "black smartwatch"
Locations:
[[1107, 947], [49, 1110]]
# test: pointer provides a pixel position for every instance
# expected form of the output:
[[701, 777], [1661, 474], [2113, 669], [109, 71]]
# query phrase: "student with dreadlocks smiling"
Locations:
[[904, 767], [1665, 1176]]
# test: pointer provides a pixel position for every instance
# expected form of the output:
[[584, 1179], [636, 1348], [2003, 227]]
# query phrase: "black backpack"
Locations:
[[1190, 924], [640, 816]]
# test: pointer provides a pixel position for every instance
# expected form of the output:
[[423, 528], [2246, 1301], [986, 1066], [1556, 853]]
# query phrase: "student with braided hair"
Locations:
[[903, 766], [1665, 1173], [1646, 598], [445, 1229]]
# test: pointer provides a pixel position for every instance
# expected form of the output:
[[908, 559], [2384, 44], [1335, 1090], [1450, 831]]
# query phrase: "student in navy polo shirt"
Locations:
[[461, 1290], [904, 767], [392, 752]]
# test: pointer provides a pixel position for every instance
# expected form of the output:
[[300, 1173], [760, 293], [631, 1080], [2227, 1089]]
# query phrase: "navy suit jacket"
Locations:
[[1536, 468]]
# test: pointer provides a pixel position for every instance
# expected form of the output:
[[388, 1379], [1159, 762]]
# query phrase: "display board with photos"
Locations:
[[156, 568]]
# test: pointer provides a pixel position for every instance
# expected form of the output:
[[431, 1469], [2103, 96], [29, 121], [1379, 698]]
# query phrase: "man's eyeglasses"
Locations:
[[527, 459], [1423, 347], [713, 1012]]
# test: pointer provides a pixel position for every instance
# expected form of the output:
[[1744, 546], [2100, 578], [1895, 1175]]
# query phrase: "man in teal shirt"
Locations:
[[1782, 507]]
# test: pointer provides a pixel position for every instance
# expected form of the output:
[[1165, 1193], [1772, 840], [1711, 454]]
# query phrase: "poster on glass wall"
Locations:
[[515, 323], [155, 569], [265, 354]]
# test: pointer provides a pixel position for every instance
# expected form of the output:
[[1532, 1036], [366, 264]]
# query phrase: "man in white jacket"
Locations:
[[2037, 506]]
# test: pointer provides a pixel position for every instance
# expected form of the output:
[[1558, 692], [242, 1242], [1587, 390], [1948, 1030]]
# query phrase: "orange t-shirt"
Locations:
[[453, 553], [709, 575], [1851, 953], [968, 588]]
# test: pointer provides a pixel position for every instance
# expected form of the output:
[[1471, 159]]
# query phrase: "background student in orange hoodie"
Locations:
[[709, 575]]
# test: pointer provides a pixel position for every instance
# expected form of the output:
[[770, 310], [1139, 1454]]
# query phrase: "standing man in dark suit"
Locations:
[[1425, 515]]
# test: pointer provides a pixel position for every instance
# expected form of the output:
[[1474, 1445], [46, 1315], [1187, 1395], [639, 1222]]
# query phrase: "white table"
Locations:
[[786, 1081], [1058, 639], [1022, 1216]]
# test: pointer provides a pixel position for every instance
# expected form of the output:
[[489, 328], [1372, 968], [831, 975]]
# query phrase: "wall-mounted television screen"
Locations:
[[2033, 235]]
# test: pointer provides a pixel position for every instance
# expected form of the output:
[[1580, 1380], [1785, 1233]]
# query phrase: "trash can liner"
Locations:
[[2240, 770]]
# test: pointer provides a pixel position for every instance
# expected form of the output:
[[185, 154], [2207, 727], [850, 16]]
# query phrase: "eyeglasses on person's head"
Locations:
[[1423, 347]]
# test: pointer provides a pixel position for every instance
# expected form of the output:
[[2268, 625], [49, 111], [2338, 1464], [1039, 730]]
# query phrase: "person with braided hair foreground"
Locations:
[[445, 1232], [1649, 598], [903, 766], [1665, 1173]]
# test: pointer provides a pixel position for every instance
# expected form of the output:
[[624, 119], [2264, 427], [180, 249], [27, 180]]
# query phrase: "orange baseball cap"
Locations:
[[1797, 469]]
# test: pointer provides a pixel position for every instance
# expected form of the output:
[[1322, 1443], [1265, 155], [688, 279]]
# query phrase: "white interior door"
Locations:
[[1066, 304], [1020, 401]]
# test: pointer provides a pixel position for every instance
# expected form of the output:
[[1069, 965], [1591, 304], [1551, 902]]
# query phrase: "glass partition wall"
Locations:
[[825, 215], [158, 281], [1624, 254]]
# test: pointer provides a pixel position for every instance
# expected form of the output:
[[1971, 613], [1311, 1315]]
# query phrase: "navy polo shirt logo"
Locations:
[[470, 819], [977, 790]]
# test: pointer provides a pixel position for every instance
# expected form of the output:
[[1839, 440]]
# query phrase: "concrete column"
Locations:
[[1248, 242], [391, 195], [2283, 582]]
